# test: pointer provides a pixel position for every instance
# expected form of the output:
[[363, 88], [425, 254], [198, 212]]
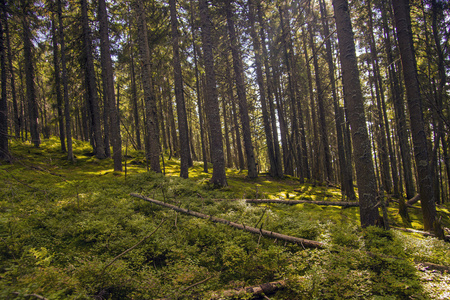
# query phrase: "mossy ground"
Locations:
[[61, 223]]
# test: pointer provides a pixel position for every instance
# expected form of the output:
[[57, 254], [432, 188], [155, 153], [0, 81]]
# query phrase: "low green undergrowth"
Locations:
[[63, 224]]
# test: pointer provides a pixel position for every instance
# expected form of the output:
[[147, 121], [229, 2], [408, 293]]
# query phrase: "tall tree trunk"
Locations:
[[134, 100], [33, 114], [16, 118], [226, 133], [67, 117], [179, 95], [197, 87], [59, 99], [262, 92], [108, 79], [240, 86], [437, 15], [400, 118], [91, 85], [153, 149], [321, 110], [270, 90], [299, 135], [237, 143], [345, 165], [366, 180], [4, 150], [315, 169], [211, 99], [404, 36]]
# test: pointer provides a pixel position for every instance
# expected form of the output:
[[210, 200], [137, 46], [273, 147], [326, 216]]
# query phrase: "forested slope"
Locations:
[[65, 229]]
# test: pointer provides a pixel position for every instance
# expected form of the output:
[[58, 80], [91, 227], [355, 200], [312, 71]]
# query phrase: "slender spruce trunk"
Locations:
[[362, 150], [153, 149], [179, 95], [211, 99], [413, 95]]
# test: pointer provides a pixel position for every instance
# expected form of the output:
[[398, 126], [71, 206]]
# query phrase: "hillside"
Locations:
[[72, 231]]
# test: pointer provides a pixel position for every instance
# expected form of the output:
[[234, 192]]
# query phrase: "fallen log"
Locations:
[[413, 200], [424, 233], [293, 202], [265, 288], [259, 231]]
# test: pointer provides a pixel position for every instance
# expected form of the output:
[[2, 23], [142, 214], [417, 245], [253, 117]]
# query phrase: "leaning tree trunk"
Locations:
[[152, 146], [33, 114], [365, 175], [179, 95], [242, 98], [404, 36], [211, 99], [91, 84]]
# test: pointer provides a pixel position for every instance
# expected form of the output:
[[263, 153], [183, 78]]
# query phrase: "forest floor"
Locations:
[[72, 231]]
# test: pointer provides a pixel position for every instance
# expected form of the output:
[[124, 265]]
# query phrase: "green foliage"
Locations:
[[62, 223]]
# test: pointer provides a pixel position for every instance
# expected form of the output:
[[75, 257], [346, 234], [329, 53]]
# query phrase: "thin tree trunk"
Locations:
[[179, 95], [366, 180], [4, 150], [262, 92], [59, 100], [242, 98], [345, 167], [401, 126], [321, 110], [270, 90], [134, 100], [108, 79], [211, 99], [33, 114], [153, 149], [16, 118], [91, 85], [238, 144], [404, 36], [199, 97]]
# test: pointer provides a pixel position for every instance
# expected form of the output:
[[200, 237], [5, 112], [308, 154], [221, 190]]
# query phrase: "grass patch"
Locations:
[[61, 223]]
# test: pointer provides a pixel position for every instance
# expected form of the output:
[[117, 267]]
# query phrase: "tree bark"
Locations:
[[91, 85], [4, 150], [345, 165], [67, 117], [59, 99], [270, 90], [16, 118], [199, 96], [262, 92], [240, 86], [400, 119], [33, 114], [211, 99], [153, 149], [366, 180], [404, 36], [179, 95], [108, 79]]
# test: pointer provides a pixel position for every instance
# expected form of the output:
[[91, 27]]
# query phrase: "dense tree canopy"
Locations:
[[257, 85]]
